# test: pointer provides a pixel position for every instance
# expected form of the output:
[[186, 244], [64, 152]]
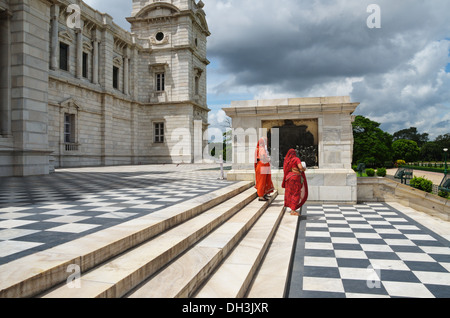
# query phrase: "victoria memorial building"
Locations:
[[77, 90]]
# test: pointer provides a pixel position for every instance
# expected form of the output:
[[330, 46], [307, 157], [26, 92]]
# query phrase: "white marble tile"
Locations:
[[8, 224], [320, 261], [323, 284], [11, 234], [12, 247], [400, 289], [73, 228]]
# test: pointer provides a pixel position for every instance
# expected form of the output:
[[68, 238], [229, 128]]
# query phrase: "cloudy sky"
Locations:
[[400, 73]]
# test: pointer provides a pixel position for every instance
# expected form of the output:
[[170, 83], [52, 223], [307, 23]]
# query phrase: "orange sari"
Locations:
[[263, 174]]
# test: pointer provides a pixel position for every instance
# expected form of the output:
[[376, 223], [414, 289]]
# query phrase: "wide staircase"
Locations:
[[227, 244]]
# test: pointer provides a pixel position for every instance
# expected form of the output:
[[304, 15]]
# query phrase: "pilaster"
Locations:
[[29, 92], [79, 39], [95, 59], [5, 74], [106, 55], [54, 55], [107, 130], [126, 71]]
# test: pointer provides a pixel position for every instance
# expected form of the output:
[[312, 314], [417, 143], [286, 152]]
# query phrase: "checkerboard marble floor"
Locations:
[[37, 213], [367, 250]]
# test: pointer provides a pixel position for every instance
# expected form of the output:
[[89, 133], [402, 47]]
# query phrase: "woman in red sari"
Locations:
[[263, 174], [294, 183]]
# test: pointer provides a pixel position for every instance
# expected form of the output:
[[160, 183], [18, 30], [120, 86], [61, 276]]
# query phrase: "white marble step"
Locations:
[[36, 273], [234, 276], [184, 276], [272, 277], [118, 276]]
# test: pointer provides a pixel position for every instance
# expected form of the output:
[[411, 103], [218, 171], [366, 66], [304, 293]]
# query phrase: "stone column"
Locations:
[[126, 73], [79, 64], [54, 54], [95, 60], [106, 49], [5, 74], [134, 67]]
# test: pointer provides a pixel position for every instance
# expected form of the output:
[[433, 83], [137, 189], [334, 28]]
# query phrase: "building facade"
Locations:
[[78, 90]]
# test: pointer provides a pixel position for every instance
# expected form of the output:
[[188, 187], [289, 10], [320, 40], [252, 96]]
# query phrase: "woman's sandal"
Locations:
[[263, 199], [295, 213]]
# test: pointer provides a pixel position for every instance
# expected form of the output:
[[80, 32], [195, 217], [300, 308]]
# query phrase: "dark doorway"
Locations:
[[296, 137]]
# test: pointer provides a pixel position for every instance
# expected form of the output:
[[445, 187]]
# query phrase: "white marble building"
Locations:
[[78, 90], [328, 119]]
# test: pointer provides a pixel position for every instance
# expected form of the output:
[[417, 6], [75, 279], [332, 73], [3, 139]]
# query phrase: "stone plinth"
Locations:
[[333, 180]]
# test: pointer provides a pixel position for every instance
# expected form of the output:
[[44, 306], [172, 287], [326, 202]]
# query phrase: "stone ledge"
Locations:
[[294, 101], [377, 189], [325, 185], [251, 110]]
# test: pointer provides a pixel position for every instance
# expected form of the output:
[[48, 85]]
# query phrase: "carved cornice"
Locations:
[[287, 106], [66, 37], [69, 104], [159, 67]]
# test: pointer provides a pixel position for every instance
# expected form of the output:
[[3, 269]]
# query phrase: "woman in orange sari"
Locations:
[[263, 174], [294, 183]]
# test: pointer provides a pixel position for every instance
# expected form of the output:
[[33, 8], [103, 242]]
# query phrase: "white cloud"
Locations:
[[286, 48], [218, 118], [416, 93]]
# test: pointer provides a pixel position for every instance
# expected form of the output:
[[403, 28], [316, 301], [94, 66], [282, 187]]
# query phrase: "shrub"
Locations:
[[422, 184], [370, 172], [444, 194], [400, 162], [381, 172]]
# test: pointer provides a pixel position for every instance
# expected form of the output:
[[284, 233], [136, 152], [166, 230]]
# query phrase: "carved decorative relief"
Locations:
[[66, 37], [157, 40]]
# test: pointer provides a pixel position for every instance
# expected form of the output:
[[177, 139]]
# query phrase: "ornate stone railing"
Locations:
[[71, 146]]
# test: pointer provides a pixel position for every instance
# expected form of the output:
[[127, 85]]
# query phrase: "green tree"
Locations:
[[225, 147], [406, 150], [372, 145], [431, 151], [411, 134], [443, 141]]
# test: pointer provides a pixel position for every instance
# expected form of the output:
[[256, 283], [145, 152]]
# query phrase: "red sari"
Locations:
[[294, 182], [263, 174]]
